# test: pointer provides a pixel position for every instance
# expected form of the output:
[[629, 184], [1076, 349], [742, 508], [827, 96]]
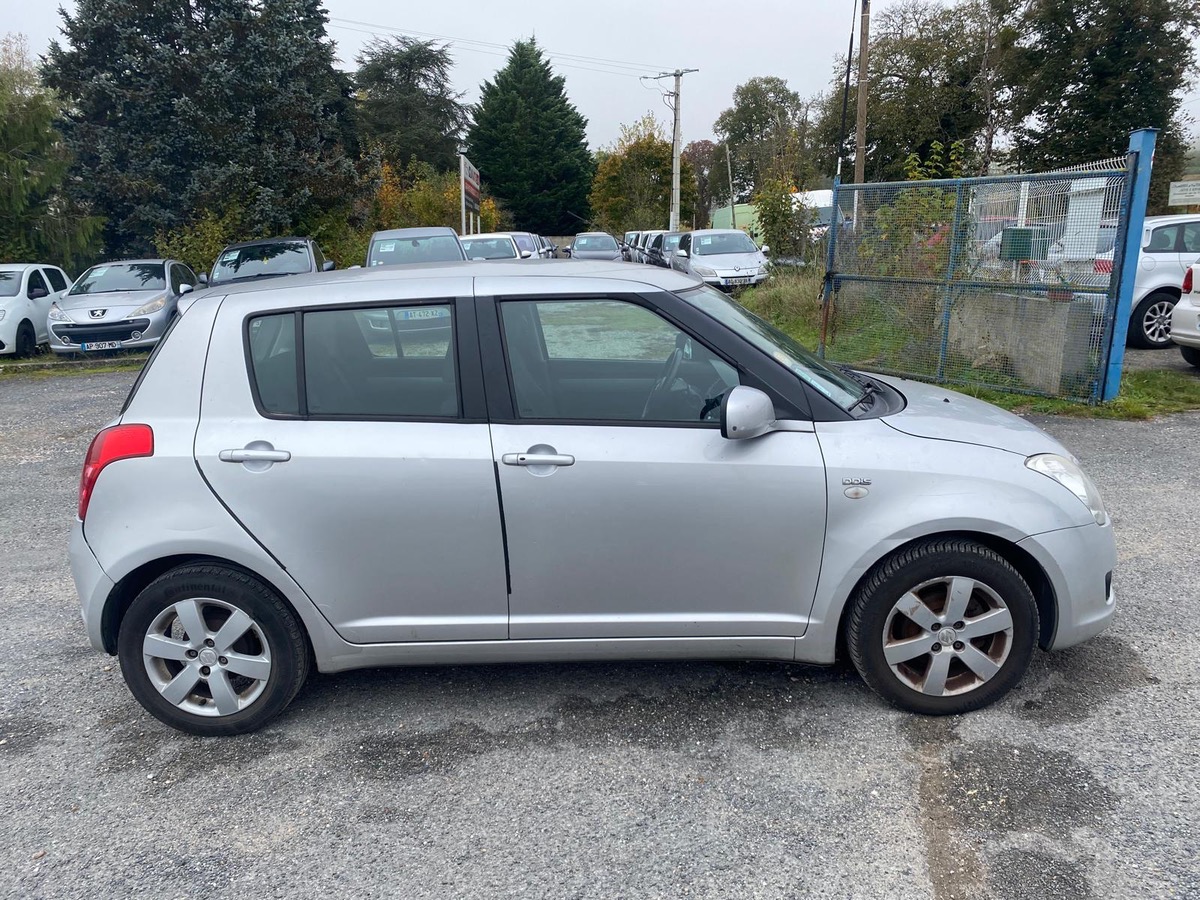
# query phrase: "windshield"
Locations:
[[671, 243], [113, 277], [262, 261], [814, 372], [10, 282], [595, 242], [723, 242], [489, 248], [524, 241], [410, 250]]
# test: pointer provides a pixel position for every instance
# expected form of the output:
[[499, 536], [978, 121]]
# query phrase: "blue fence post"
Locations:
[[835, 224], [1141, 146]]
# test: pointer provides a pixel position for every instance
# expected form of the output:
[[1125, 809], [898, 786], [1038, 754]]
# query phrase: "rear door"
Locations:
[[344, 427]]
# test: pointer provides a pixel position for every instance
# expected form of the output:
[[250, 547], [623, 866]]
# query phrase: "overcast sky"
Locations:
[[600, 47]]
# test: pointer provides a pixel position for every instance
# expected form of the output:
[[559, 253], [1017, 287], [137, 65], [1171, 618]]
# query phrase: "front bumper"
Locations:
[[1185, 321], [92, 585], [733, 281], [1079, 562], [130, 333]]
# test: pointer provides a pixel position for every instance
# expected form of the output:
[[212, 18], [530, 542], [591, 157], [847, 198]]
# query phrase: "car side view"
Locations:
[[486, 462]]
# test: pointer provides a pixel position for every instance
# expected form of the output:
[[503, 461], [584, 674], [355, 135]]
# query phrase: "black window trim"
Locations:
[[472, 408], [790, 399]]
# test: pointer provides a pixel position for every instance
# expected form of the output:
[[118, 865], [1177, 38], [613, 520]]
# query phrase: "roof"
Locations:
[[1177, 217], [132, 262], [619, 272], [433, 231], [489, 235]]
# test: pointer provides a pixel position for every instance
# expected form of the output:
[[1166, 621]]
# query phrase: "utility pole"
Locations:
[[860, 128], [673, 225], [729, 170]]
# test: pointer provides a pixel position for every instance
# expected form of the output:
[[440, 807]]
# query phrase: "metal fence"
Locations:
[[1012, 282]]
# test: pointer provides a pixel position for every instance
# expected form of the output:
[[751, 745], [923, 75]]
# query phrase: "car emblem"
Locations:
[[737, 268], [97, 313]]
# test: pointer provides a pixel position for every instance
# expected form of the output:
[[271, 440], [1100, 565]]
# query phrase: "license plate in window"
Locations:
[[100, 345], [745, 279], [434, 313]]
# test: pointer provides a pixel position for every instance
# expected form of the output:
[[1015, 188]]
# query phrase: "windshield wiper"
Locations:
[[870, 389]]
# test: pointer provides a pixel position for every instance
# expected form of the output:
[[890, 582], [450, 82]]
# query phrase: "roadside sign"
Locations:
[[468, 178], [1184, 193]]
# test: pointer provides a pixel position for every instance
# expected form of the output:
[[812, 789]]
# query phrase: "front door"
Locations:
[[366, 478], [627, 513]]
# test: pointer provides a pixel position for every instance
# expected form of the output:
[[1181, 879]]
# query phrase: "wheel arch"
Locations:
[[1021, 560], [137, 580]]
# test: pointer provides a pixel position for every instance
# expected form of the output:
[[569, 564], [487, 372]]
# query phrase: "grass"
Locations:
[[791, 301]]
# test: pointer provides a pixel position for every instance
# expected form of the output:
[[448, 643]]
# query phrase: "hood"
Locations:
[[117, 304], [943, 415], [729, 263]]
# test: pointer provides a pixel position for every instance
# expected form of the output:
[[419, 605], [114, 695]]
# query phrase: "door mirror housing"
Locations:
[[328, 266], [746, 412], [37, 293], [682, 254], [765, 249], [185, 289], [202, 278], [525, 254]]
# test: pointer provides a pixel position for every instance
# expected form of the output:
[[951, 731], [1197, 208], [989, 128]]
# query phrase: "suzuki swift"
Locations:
[[496, 462]]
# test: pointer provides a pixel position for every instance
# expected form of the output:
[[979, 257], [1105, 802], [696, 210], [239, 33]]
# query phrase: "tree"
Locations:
[[1086, 74], [406, 102], [701, 156], [229, 107], [37, 222], [529, 143], [632, 188], [767, 130]]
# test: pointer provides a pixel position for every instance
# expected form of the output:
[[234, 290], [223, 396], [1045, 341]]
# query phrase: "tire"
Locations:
[[1191, 356], [931, 572], [185, 681], [1150, 324], [26, 343]]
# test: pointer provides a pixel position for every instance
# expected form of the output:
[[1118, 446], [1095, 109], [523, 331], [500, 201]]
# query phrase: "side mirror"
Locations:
[[328, 266], [356, 267], [37, 293], [185, 289], [682, 254], [746, 412], [765, 249], [203, 278], [567, 251], [525, 254]]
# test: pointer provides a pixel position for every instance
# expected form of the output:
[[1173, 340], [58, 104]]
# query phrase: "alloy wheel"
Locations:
[[1156, 323]]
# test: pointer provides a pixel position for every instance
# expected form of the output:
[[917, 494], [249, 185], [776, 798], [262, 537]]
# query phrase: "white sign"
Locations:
[[1184, 193]]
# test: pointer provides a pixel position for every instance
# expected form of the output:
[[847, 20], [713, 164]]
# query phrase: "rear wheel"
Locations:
[[26, 344], [212, 651], [1191, 355], [1150, 325], [944, 627]]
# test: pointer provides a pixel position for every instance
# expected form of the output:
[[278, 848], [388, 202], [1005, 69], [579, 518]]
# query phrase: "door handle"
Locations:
[[248, 455], [537, 459]]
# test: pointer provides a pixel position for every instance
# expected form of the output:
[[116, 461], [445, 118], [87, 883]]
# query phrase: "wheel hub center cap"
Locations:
[[208, 657], [947, 636]]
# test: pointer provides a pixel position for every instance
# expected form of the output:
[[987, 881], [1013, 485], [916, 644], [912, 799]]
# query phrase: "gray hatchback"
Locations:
[[482, 462]]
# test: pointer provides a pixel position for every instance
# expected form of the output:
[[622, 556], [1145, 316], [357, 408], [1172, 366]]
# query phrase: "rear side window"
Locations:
[[382, 362], [57, 280]]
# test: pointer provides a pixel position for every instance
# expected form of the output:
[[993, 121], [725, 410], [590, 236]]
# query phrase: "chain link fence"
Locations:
[[1007, 282]]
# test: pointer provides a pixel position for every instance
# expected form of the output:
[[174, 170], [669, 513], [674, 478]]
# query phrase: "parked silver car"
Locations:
[[594, 245], [723, 257], [119, 306], [560, 463], [409, 246]]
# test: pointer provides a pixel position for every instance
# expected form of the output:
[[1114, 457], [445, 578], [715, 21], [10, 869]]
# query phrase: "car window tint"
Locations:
[[603, 360], [273, 363], [177, 279], [36, 281], [1191, 237], [381, 362], [1163, 240], [57, 280]]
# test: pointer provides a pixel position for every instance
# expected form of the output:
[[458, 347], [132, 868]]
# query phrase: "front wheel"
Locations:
[[1150, 326], [1191, 356], [212, 651], [944, 627], [26, 344]]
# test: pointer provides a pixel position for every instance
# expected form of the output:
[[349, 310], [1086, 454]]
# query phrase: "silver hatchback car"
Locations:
[[559, 463]]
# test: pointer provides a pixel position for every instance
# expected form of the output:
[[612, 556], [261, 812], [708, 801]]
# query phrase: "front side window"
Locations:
[[266, 260], [113, 277], [177, 279], [36, 283], [609, 361]]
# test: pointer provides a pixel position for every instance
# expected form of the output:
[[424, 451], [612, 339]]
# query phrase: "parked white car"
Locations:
[[1185, 317], [722, 257], [26, 292]]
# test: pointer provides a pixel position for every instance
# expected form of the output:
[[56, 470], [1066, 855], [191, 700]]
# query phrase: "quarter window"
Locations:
[[607, 360]]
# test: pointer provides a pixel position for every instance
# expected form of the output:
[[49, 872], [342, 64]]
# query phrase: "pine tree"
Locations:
[[529, 143]]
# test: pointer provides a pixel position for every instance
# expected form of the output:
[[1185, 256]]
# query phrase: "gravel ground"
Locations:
[[603, 781]]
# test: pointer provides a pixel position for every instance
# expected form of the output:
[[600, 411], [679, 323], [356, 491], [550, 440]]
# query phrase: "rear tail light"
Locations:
[[1102, 267], [1187, 281], [110, 445]]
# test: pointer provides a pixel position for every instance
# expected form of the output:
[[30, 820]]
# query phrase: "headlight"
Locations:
[[704, 272], [57, 314], [1070, 476], [152, 307]]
